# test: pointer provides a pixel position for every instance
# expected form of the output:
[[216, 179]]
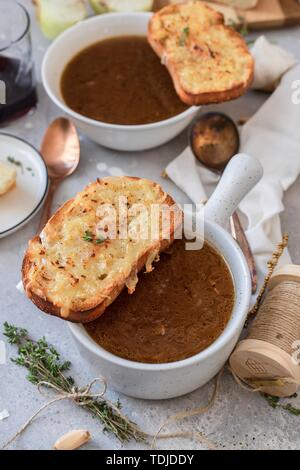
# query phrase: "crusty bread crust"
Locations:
[[223, 80], [94, 307]]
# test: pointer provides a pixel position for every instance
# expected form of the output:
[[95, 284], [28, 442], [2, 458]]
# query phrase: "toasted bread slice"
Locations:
[[83, 258], [8, 177], [208, 61]]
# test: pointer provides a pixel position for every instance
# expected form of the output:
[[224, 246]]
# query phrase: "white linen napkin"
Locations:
[[271, 63], [272, 135]]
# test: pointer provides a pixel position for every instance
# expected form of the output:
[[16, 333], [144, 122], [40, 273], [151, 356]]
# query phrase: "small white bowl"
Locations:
[[77, 38]]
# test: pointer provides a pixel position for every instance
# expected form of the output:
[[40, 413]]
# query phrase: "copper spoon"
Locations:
[[61, 152], [214, 140]]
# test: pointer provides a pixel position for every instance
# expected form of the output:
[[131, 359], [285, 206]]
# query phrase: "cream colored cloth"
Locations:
[[272, 135]]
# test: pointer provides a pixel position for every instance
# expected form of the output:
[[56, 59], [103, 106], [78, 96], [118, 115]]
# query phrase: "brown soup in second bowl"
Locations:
[[120, 80], [177, 311]]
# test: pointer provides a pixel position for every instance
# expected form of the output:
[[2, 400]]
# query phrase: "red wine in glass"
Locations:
[[17, 80], [20, 90]]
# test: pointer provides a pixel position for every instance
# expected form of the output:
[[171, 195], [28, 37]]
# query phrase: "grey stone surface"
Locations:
[[239, 420]]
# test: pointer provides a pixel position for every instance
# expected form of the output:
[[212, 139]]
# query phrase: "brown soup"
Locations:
[[177, 311], [120, 81]]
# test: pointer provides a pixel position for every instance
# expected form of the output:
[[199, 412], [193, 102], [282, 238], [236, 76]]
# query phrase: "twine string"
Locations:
[[199, 436], [187, 414], [82, 397], [76, 394], [272, 264]]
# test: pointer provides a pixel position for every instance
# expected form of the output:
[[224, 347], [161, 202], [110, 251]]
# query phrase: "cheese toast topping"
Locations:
[[208, 61], [70, 268]]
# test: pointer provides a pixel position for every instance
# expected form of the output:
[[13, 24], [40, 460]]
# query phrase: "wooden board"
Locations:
[[267, 14]]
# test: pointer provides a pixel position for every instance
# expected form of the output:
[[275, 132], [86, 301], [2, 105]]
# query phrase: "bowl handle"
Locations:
[[240, 176]]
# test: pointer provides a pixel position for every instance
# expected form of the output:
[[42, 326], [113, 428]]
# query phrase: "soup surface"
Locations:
[[120, 81], [176, 311]]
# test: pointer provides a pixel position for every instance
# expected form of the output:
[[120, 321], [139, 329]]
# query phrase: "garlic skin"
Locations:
[[72, 440], [271, 63], [103, 6], [55, 16]]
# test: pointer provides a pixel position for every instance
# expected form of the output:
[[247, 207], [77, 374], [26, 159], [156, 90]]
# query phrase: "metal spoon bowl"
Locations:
[[61, 152], [214, 140]]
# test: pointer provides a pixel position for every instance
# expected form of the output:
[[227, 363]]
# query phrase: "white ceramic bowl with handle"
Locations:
[[77, 38], [160, 381]]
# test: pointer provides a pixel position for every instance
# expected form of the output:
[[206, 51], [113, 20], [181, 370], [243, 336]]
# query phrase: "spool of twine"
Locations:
[[269, 359], [278, 321]]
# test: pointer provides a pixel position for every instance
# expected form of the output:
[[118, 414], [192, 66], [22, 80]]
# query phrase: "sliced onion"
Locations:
[[55, 16]]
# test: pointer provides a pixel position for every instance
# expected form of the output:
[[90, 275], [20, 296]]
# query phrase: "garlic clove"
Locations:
[[72, 440]]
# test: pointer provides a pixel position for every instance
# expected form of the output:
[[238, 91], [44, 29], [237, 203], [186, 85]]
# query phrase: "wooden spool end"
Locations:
[[255, 360], [289, 272], [258, 361]]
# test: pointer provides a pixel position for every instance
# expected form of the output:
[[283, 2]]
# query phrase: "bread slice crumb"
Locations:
[[8, 176]]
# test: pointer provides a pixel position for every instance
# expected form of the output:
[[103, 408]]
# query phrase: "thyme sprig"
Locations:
[[274, 402], [183, 37], [88, 237], [241, 27], [44, 365], [15, 162]]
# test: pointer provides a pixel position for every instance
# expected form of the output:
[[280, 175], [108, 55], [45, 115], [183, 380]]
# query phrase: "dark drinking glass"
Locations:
[[17, 79]]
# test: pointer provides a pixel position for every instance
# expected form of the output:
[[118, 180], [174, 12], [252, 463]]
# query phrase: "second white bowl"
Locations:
[[77, 38], [160, 381]]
